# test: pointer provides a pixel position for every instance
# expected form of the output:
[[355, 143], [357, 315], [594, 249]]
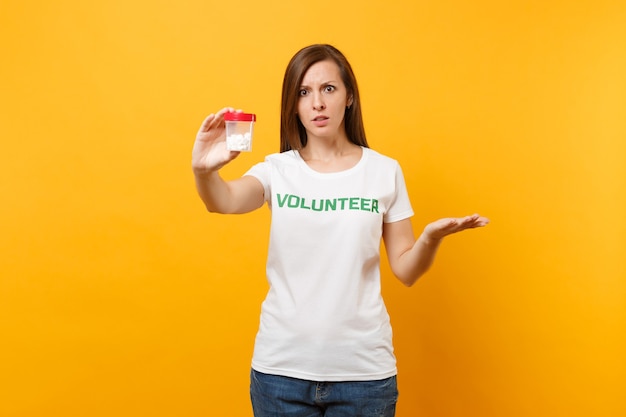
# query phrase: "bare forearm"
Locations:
[[410, 258], [238, 196], [414, 263], [213, 191]]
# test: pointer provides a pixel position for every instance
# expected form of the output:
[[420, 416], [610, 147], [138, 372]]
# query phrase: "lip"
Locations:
[[320, 121]]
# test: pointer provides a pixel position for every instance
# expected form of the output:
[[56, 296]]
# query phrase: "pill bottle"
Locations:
[[239, 129]]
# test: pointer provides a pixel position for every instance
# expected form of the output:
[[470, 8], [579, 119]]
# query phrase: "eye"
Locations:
[[303, 93], [329, 88]]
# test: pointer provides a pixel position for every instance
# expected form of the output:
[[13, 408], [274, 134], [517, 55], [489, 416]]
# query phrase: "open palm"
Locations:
[[209, 150], [443, 227]]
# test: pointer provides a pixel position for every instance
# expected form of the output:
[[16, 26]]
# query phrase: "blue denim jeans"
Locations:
[[281, 396]]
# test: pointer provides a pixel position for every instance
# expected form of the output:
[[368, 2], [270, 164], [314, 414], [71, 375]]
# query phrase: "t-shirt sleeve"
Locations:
[[400, 206], [262, 172]]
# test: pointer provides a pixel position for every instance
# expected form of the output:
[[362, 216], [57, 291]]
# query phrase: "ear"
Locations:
[[349, 102]]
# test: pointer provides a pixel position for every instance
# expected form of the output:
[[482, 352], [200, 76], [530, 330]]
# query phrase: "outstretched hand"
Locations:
[[209, 150], [441, 228]]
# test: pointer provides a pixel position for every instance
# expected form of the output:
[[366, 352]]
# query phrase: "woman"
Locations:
[[324, 343]]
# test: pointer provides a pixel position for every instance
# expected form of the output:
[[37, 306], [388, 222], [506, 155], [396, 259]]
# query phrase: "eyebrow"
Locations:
[[324, 83]]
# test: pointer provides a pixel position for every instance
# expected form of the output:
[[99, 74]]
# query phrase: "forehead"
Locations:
[[321, 72]]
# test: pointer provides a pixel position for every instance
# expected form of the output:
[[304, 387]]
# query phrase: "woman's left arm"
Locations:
[[409, 258]]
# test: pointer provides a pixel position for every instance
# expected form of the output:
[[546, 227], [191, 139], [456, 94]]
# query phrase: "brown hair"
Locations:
[[292, 132]]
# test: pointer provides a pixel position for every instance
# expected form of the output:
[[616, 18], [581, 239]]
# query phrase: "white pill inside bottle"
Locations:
[[239, 131]]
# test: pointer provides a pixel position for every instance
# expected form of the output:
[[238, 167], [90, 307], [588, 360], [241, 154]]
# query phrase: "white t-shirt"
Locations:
[[324, 318]]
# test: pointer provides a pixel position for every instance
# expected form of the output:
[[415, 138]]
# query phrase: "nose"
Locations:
[[318, 102]]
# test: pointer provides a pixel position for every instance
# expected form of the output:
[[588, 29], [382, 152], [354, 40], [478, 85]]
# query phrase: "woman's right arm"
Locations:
[[209, 155]]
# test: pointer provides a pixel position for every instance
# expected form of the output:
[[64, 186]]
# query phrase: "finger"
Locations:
[[462, 222], [483, 221], [220, 114], [478, 219], [450, 225], [214, 119], [478, 222], [206, 124], [472, 217]]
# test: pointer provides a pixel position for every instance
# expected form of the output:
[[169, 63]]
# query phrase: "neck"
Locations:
[[331, 157], [328, 149]]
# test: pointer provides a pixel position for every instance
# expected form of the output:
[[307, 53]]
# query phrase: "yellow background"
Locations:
[[120, 296]]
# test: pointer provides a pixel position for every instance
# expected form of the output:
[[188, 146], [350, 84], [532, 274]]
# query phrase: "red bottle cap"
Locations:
[[239, 117]]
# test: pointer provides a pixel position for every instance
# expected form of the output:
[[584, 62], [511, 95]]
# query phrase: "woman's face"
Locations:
[[322, 101]]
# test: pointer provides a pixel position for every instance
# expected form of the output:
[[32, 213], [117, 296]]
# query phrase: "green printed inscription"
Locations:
[[328, 204]]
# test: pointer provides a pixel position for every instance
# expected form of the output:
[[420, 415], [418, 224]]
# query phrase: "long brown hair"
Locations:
[[292, 132]]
